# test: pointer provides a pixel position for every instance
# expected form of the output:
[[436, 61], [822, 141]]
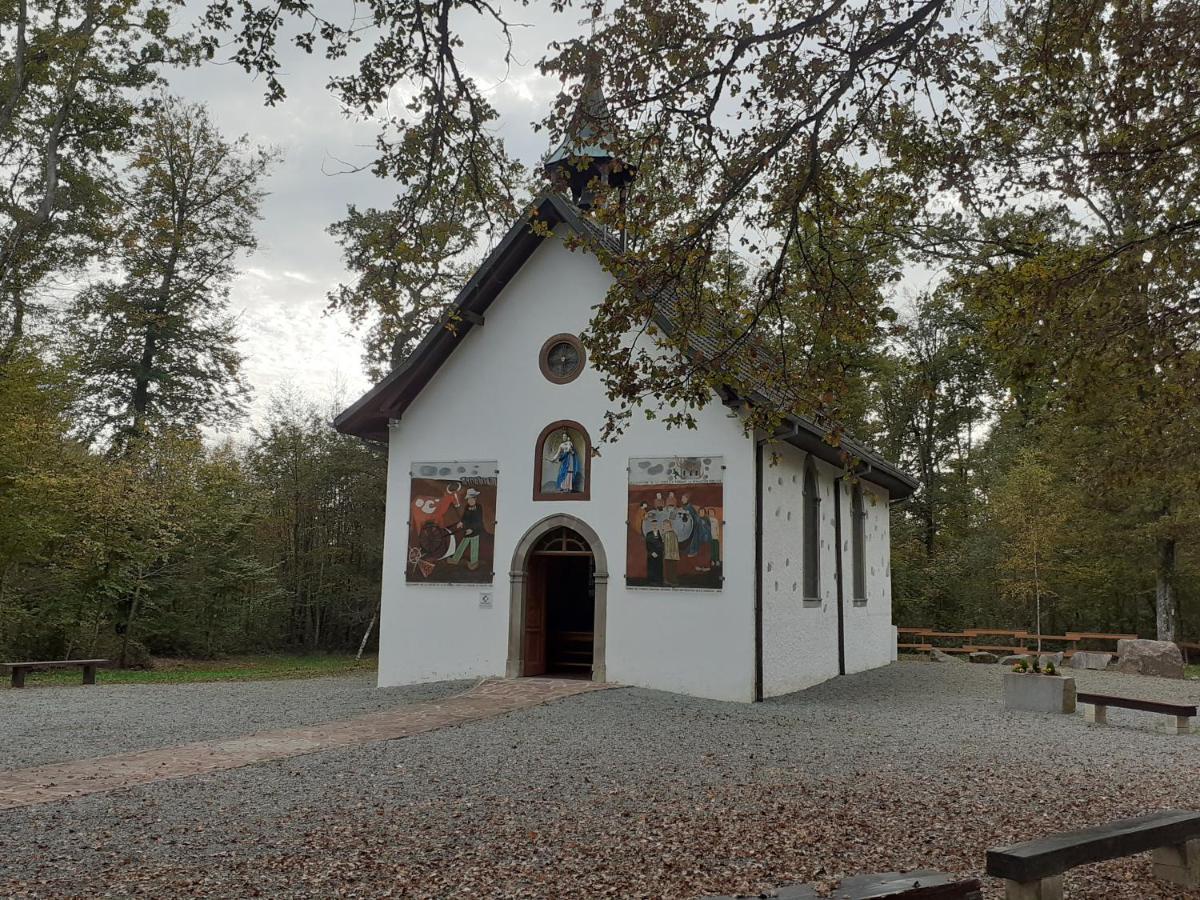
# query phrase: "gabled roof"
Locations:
[[368, 416]]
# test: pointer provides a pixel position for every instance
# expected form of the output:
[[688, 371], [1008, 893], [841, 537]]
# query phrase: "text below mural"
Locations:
[[676, 522], [451, 532]]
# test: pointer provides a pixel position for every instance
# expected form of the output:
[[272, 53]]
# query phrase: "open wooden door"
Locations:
[[535, 618]]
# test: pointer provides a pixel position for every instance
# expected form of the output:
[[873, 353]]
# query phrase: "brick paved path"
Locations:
[[62, 781]]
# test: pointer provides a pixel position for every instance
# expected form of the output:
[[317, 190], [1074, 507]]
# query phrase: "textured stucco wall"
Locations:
[[800, 641], [490, 401]]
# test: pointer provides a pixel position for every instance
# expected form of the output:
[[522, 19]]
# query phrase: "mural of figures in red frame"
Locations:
[[452, 523], [676, 522]]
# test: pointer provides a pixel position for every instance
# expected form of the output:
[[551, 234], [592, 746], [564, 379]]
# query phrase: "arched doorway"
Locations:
[[558, 599]]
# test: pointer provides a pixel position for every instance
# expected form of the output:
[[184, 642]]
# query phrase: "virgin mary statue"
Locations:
[[569, 478]]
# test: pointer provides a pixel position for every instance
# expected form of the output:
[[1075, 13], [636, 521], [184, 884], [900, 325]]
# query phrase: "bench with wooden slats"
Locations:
[[1097, 710], [1034, 870]]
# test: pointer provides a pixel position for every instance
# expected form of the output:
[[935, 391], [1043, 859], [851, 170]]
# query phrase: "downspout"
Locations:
[[837, 543], [758, 568]]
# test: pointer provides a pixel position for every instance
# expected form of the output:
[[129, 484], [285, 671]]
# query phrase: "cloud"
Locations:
[[279, 295]]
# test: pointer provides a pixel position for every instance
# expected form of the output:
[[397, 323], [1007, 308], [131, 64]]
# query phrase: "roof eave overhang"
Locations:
[[805, 435], [863, 464], [368, 417]]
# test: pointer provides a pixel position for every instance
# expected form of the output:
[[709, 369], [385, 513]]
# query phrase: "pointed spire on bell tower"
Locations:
[[585, 157]]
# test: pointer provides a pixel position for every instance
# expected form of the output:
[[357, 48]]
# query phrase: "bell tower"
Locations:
[[584, 160]]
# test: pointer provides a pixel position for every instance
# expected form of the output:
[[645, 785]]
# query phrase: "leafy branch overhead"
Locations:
[[791, 158]]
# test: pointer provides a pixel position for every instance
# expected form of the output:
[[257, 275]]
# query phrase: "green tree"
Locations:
[[1035, 516], [45, 480], [157, 347], [70, 77], [321, 529]]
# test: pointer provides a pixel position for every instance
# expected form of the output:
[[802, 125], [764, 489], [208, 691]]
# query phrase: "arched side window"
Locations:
[[810, 535], [858, 535]]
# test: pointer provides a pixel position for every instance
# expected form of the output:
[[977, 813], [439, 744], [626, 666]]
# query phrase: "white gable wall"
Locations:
[[490, 401]]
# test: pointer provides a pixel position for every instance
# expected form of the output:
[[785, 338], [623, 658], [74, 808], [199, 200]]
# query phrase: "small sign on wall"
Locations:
[[485, 599]]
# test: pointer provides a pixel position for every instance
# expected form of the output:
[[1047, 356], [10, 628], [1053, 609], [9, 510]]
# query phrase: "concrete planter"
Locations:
[[1039, 693]]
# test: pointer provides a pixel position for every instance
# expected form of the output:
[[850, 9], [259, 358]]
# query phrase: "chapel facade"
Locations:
[[708, 562]]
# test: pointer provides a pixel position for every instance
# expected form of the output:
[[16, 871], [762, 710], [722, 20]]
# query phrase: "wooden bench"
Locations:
[[1034, 870], [922, 885], [1097, 710], [19, 669]]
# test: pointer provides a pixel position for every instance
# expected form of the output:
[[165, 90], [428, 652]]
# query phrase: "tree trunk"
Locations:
[[1166, 608], [133, 610], [9, 350], [366, 636], [4, 584]]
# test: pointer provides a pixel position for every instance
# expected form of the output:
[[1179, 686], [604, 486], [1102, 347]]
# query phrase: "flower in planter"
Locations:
[[1021, 666], [1050, 670]]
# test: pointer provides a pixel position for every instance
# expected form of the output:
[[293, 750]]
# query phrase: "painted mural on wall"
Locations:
[[452, 524], [676, 522]]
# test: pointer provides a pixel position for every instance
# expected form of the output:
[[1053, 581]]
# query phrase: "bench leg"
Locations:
[[1094, 713], [18, 677], [1179, 725], [89, 674], [1047, 889], [1179, 864]]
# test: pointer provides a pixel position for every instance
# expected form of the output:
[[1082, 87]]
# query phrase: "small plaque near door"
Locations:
[[485, 599]]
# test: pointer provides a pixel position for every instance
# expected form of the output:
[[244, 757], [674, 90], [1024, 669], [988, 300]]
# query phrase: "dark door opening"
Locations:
[[560, 606]]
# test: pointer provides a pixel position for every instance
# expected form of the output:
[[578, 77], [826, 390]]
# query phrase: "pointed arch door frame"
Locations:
[[518, 577]]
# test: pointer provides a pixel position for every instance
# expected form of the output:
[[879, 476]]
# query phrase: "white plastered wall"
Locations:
[[800, 640], [490, 401], [870, 637]]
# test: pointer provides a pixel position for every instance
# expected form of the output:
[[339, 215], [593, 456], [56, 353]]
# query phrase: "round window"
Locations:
[[562, 358]]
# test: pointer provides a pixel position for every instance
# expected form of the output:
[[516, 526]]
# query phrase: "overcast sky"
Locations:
[[279, 295]]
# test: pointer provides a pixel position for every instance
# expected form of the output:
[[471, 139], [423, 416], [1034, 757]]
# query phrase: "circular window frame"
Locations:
[[544, 358]]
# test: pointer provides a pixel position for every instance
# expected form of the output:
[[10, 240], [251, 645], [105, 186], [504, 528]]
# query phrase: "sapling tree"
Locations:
[[1036, 512]]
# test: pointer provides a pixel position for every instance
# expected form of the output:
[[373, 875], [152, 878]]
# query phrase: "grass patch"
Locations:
[[1192, 671], [240, 668]]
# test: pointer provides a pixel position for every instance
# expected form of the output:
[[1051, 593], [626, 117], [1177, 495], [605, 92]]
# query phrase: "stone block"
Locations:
[[1056, 658], [1143, 657], [1095, 714], [1179, 864], [1015, 658], [982, 656], [1090, 659], [1039, 693], [1047, 889], [1179, 725], [937, 655]]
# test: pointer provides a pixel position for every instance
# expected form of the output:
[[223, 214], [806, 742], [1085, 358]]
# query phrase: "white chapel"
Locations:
[[708, 562]]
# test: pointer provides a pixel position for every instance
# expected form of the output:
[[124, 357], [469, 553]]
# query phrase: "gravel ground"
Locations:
[[56, 724], [633, 793]]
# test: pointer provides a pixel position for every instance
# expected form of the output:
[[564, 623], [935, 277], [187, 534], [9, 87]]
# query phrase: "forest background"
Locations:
[[1032, 167]]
